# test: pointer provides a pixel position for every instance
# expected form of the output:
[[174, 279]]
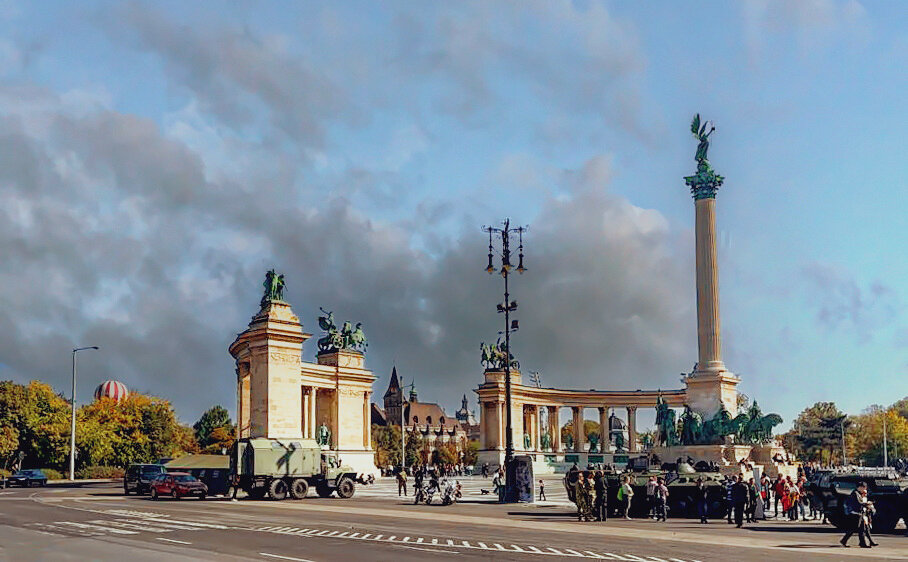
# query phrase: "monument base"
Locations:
[[728, 457], [549, 462], [708, 391]]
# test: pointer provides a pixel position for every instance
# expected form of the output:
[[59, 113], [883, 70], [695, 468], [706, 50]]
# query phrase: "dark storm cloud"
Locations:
[[117, 234]]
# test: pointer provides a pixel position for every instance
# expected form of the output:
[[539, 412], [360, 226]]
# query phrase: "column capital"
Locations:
[[632, 408], [705, 183]]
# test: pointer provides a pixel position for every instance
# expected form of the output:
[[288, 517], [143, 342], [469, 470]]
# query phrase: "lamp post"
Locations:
[[72, 432], [509, 306]]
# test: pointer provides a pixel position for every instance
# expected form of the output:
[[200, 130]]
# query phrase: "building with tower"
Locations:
[[427, 419]]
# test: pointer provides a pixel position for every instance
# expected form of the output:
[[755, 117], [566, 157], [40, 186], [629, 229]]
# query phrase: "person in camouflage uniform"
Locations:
[[583, 494]]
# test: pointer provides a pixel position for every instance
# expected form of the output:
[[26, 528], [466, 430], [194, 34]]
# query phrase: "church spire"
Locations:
[[394, 385]]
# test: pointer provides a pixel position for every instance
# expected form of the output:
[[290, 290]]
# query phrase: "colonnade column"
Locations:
[[578, 428], [499, 415], [632, 429], [537, 429], [603, 429], [367, 421], [554, 429]]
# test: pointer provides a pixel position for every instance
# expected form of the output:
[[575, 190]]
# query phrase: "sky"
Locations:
[[157, 158]]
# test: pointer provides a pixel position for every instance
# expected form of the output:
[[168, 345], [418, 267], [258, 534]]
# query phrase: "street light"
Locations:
[[72, 434], [506, 307]]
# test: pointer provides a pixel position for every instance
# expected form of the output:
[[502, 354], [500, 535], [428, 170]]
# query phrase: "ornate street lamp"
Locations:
[[507, 308]]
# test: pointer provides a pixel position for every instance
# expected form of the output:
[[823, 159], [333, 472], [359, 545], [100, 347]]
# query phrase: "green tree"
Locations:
[[34, 420], [414, 448], [471, 453], [213, 418], [817, 433], [386, 444]]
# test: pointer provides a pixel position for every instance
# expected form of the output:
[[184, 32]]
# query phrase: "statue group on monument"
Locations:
[[348, 338], [750, 427], [274, 288], [493, 356]]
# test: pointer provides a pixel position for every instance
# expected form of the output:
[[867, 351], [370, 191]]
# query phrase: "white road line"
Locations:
[[483, 546], [172, 540], [535, 549], [134, 527], [354, 535], [99, 527], [574, 552], [517, 548], [498, 546], [466, 544], [593, 554], [450, 542], [284, 557], [554, 550], [419, 540]]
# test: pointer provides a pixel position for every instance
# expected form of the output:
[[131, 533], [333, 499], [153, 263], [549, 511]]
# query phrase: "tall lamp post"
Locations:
[[72, 432], [507, 308]]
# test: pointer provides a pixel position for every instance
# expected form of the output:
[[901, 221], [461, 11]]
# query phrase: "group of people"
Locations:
[[591, 495], [796, 498]]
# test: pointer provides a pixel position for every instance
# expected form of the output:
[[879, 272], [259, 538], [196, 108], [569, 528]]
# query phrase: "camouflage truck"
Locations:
[[282, 468]]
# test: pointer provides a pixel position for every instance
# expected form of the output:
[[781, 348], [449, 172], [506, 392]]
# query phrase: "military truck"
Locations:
[[282, 468], [885, 489]]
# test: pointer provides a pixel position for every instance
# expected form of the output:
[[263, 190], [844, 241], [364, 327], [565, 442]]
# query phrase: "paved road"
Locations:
[[97, 522]]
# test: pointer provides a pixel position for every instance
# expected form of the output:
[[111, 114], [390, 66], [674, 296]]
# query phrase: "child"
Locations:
[[542, 491]]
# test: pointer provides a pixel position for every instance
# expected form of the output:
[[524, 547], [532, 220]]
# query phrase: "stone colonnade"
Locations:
[[529, 424]]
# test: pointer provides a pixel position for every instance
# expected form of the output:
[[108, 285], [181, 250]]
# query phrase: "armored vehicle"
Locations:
[[681, 481], [885, 489], [683, 494], [282, 468]]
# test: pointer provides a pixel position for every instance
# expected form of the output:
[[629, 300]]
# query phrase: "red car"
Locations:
[[178, 485]]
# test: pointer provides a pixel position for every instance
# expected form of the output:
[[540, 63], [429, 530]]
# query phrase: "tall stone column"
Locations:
[[710, 387], [537, 428], [631, 429], [578, 429], [708, 323]]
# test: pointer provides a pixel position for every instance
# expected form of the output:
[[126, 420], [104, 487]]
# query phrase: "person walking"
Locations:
[[542, 491], [854, 514], [660, 496], [739, 500], [600, 506], [702, 501], [401, 483]]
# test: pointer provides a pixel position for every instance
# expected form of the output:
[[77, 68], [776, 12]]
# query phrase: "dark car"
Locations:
[[178, 485], [139, 476], [27, 478]]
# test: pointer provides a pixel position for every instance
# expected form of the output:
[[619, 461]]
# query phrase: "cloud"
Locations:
[[842, 303], [150, 239], [814, 25]]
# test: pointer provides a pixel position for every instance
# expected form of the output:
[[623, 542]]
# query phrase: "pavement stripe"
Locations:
[[556, 551], [284, 557], [101, 528], [592, 554], [483, 546], [172, 540]]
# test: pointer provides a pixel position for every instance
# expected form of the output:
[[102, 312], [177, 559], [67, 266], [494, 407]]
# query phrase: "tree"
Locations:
[[589, 427], [471, 453], [817, 433], [867, 443], [138, 429], [215, 417], [414, 448], [220, 440], [386, 443], [901, 407], [35, 420]]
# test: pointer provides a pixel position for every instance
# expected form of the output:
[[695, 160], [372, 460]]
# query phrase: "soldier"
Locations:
[[582, 496], [401, 483], [738, 499], [600, 507]]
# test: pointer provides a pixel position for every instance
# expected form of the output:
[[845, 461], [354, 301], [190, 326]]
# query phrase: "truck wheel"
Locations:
[[277, 489], [345, 488], [323, 491], [299, 489]]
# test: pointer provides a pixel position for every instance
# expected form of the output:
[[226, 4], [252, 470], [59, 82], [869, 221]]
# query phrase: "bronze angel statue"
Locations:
[[700, 133]]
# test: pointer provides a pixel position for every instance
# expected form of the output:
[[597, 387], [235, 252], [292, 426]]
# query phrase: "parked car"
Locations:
[[27, 478], [139, 476], [178, 485]]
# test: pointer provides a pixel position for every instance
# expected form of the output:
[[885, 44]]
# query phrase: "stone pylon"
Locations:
[[710, 386]]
